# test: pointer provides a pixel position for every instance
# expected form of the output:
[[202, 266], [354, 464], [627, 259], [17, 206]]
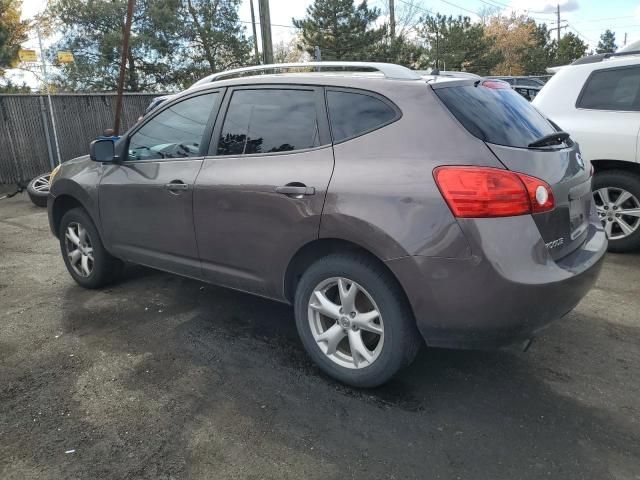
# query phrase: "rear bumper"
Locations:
[[507, 291]]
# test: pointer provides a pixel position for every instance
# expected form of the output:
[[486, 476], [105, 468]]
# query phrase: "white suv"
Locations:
[[597, 100]]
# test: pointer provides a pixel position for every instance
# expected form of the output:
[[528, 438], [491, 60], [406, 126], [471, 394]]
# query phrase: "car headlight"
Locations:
[[53, 174]]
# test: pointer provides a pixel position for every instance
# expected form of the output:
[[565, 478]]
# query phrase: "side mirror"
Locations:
[[102, 150]]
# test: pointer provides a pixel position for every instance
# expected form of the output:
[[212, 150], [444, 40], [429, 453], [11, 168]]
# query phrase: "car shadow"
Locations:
[[212, 356]]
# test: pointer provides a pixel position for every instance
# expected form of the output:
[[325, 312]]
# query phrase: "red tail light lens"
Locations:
[[481, 192], [495, 84]]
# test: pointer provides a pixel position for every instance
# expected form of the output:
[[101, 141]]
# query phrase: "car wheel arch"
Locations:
[[601, 165], [316, 249], [61, 205]]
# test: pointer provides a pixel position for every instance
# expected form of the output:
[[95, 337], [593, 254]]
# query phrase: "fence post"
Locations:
[[45, 123]]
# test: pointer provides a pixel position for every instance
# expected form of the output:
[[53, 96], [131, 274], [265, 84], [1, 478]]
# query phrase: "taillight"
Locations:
[[481, 192], [495, 84]]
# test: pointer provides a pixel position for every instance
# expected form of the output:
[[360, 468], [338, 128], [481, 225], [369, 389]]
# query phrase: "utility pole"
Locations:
[[45, 77], [265, 28], [558, 18], [392, 18], [625, 39], [437, 47], [123, 60], [255, 36], [559, 28]]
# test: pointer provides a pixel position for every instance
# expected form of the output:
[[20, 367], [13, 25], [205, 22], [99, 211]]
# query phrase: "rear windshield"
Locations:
[[499, 116]]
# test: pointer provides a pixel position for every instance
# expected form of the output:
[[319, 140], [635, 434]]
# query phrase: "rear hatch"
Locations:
[[512, 129]]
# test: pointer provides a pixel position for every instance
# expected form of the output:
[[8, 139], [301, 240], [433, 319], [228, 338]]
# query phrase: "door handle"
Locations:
[[296, 190], [176, 185]]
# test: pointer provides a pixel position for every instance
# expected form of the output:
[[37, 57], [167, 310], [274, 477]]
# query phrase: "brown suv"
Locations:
[[386, 207]]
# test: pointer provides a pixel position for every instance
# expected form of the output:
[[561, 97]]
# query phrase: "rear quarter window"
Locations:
[[612, 89], [495, 115], [352, 114]]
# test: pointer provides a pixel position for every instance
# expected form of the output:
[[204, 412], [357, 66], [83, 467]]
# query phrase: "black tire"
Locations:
[[105, 268], [401, 338], [38, 190], [625, 180]]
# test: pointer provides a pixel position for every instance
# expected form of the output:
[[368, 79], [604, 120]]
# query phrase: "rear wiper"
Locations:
[[555, 138]]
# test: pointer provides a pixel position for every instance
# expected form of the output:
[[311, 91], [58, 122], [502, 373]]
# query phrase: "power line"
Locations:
[[579, 34]]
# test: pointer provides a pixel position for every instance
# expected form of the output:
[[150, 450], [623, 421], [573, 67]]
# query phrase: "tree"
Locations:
[[13, 32], [341, 30], [607, 43], [399, 50], [455, 43], [514, 37], [173, 42], [539, 56], [569, 49], [288, 52], [10, 87], [216, 37]]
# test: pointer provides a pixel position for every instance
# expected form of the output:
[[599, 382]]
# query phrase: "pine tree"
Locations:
[[342, 30], [569, 49], [607, 43]]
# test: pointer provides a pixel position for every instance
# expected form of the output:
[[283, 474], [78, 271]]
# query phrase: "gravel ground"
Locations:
[[162, 377]]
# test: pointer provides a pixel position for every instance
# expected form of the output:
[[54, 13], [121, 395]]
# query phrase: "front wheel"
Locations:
[[85, 257], [616, 194], [354, 320]]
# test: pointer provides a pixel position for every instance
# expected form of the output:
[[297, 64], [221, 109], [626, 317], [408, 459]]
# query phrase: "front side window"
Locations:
[[352, 114], [617, 89], [268, 121], [176, 132]]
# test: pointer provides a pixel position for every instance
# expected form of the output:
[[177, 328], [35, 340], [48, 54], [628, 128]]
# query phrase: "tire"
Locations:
[[102, 267], [386, 353], [616, 182], [38, 190]]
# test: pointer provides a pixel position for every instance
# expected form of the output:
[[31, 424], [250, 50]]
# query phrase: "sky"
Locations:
[[586, 18]]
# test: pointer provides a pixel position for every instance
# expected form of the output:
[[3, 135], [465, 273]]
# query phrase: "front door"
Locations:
[[260, 193], [146, 200]]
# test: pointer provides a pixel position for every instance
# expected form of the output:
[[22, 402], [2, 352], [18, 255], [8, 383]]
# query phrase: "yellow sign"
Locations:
[[27, 55], [65, 57]]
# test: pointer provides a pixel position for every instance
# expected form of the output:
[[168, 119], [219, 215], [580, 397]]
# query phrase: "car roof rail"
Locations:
[[389, 70], [599, 57]]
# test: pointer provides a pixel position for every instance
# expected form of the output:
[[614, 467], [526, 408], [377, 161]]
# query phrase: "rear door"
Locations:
[[146, 200], [261, 190], [508, 124]]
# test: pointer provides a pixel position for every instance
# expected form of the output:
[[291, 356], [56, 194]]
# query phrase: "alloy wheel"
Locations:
[[41, 184], [79, 249], [618, 210], [346, 323]]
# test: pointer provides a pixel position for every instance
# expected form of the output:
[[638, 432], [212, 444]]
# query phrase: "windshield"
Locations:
[[495, 115]]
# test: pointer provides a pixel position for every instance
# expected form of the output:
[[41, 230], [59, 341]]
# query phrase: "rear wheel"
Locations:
[[617, 197], [85, 257], [354, 320]]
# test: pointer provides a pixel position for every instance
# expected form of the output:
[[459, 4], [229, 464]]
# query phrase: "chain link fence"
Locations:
[[27, 140]]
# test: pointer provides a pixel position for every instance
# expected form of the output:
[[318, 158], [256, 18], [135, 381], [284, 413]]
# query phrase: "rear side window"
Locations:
[[495, 115], [269, 120], [616, 89], [353, 114]]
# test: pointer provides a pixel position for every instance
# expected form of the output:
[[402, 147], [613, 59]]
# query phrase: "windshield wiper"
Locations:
[[555, 138]]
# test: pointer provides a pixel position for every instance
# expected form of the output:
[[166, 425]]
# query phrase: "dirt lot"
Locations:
[[163, 377]]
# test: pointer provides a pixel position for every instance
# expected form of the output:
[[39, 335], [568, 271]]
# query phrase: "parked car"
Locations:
[[386, 208], [597, 100], [521, 81]]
